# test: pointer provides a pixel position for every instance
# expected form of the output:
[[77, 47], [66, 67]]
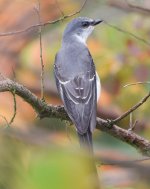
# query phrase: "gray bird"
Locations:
[[77, 81]]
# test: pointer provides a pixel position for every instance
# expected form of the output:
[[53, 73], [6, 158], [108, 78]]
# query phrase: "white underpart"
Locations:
[[85, 34], [98, 85]]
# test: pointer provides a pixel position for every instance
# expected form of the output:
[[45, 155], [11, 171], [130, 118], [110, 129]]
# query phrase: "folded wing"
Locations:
[[79, 97]]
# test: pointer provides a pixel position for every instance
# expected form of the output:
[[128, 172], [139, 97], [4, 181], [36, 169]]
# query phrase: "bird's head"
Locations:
[[80, 28]]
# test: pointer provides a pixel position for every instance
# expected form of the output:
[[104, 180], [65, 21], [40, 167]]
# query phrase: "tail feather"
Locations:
[[86, 143], [86, 140]]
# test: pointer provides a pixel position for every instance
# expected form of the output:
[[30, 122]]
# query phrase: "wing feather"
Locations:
[[79, 98]]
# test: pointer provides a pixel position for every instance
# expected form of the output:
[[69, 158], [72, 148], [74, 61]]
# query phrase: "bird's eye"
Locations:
[[85, 24]]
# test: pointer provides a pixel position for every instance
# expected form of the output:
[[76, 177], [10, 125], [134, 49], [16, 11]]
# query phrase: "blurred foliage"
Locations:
[[25, 163], [119, 58], [34, 160]]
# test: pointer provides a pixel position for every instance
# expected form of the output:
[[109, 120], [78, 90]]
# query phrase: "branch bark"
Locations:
[[44, 110]]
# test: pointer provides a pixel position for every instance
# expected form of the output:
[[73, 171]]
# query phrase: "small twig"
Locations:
[[4, 118], [137, 7], [142, 101], [124, 6], [38, 10], [83, 5], [137, 83], [67, 131], [130, 122], [62, 14], [15, 107], [127, 32], [14, 73], [134, 124], [42, 24]]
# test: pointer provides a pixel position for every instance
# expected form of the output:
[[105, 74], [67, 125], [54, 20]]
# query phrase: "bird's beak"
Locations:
[[96, 22]]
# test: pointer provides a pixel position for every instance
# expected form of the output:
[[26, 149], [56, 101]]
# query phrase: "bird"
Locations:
[[77, 81]]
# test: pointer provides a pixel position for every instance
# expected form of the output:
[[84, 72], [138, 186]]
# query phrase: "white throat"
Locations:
[[82, 38]]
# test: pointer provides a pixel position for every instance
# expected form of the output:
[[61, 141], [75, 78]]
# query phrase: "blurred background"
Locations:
[[32, 153]]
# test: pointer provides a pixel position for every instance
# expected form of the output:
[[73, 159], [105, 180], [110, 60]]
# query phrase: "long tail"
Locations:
[[86, 141]]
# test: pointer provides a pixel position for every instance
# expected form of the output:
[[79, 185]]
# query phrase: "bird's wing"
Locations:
[[79, 97]]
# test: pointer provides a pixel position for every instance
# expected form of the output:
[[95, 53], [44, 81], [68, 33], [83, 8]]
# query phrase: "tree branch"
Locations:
[[131, 138], [44, 110], [43, 24], [142, 101]]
